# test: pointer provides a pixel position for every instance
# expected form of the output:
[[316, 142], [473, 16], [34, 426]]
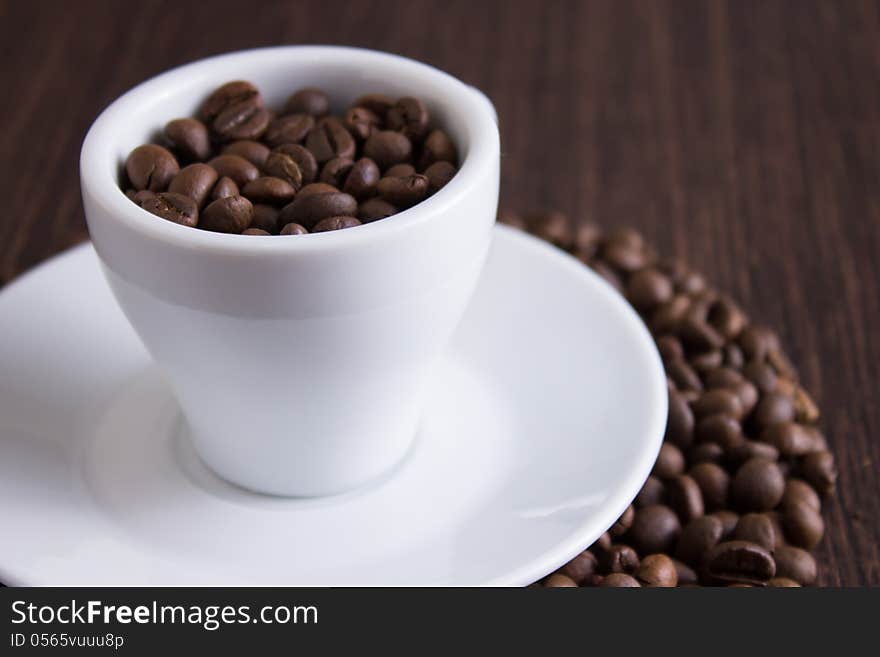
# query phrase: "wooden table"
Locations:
[[743, 136]]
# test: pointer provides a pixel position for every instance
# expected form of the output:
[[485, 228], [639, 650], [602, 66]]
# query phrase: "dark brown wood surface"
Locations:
[[743, 137]]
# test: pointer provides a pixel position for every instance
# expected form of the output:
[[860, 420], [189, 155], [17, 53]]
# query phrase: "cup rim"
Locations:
[[98, 176]]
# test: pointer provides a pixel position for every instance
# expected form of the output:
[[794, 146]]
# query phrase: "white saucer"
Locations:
[[544, 421]]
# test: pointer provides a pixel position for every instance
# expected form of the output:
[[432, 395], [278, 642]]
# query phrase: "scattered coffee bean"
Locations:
[[773, 408], [758, 485], [624, 522], [653, 492], [756, 528], [559, 580], [718, 400], [680, 421], [669, 463], [796, 564], [720, 428], [819, 470], [657, 570], [620, 559], [803, 525], [654, 529], [705, 453], [714, 483], [648, 289], [798, 491], [619, 580], [782, 582], [740, 561], [684, 496], [698, 538], [581, 567]]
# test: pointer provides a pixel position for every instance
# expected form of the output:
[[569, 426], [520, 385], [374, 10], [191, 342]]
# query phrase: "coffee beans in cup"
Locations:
[[238, 167]]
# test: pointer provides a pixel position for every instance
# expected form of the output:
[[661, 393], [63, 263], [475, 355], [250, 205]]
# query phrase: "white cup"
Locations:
[[299, 362]]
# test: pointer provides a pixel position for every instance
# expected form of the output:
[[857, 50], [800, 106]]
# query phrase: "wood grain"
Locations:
[[741, 136]]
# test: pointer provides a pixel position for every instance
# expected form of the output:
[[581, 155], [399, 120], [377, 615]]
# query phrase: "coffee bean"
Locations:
[[620, 559], [761, 375], [196, 181], [648, 289], [376, 103], [624, 522], [624, 257], [686, 575], [141, 196], [227, 96], [235, 167], [225, 187], [679, 421], [670, 348], [772, 408], [790, 438], [718, 400], [669, 463], [758, 485], [268, 189], [619, 580], [437, 147], [654, 529], [727, 318], [733, 356], [749, 449], [706, 361], [361, 122], [798, 491], [657, 570], [190, 138], [705, 453], [403, 192], [247, 119], [408, 116], [728, 520], [151, 167], [335, 223], [439, 174], [336, 171], [290, 129], [400, 170], [581, 567], [795, 563], [756, 342], [587, 238], [253, 151], [374, 209], [699, 335], [805, 408], [308, 100], [284, 167], [667, 317], [721, 429], [255, 231], [684, 376], [293, 229], [304, 160], [386, 148], [602, 544], [782, 582], [362, 179], [610, 275], [740, 561], [554, 227], [308, 209], [653, 492], [174, 207], [756, 528], [330, 139], [714, 484], [803, 526], [232, 214], [698, 538], [819, 470], [684, 496], [559, 581], [265, 218]]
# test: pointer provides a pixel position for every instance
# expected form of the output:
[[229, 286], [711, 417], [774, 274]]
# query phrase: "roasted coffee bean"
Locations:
[[653, 492], [728, 520], [684, 496], [706, 361], [174, 207], [756, 342], [657, 570], [232, 214], [151, 167], [648, 289], [721, 429], [437, 147], [329, 139], [265, 218], [669, 463], [309, 208], [782, 582], [610, 275], [740, 561], [408, 116], [733, 356], [581, 567], [387, 148], [796, 564], [679, 421], [758, 485], [654, 529], [283, 166], [196, 181], [308, 100], [587, 238], [253, 151], [667, 317], [698, 538], [619, 580], [757, 528], [772, 408], [803, 526], [805, 408], [555, 227], [293, 229], [761, 375], [727, 318], [141, 196], [290, 129], [439, 174], [602, 544], [403, 192], [335, 223], [376, 103], [716, 401], [235, 167], [374, 209], [336, 171], [361, 122], [303, 158], [790, 438], [819, 470], [225, 187], [686, 575], [714, 484], [624, 522], [749, 449], [559, 581], [705, 453], [246, 119], [362, 179], [268, 189], [190, 138], [255, 231], [798, 491], [400, 170], [225, 97], [620, 559], [625, 257], [670, 348], [684, 376]]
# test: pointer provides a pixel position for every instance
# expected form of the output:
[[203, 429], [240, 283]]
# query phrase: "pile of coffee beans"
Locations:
[[241, 168], [734, 498]]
